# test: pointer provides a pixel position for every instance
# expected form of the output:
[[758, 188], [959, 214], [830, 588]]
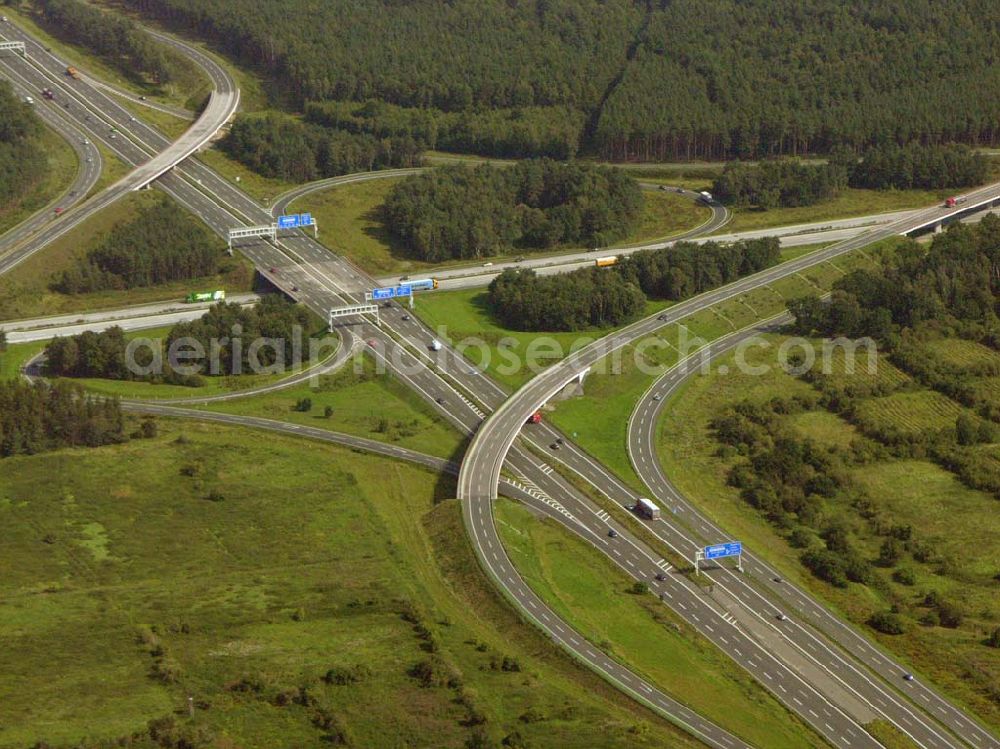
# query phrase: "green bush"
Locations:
[[887, 623]]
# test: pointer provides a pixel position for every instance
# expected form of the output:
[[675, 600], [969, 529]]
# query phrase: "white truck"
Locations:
[[706, 196], [647, 509]]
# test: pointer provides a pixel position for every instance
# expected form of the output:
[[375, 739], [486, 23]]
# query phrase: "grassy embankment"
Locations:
[[239, 568], [364, 403], [25, 292]]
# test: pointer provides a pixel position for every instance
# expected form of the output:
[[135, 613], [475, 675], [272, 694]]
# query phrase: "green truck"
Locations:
[[205, 296]]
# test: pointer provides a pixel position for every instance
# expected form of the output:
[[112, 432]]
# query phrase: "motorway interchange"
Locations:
[[822, 669]]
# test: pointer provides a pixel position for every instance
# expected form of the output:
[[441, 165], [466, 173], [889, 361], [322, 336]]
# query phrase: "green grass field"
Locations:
[[263, 189], [364, 403], [824, 428], [170, 125], [112, 169], [25, 292], [62, 168], [127, 590], [858, 372], [350, 225], [962, 353], [912, 412], [15, 357], [591, 593], [944, 513], [463, 315], [849, 203]]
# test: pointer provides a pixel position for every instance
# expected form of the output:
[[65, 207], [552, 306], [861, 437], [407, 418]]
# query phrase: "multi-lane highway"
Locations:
[[89, 167], [44, 70], [488, 451], [140, 317], [740, 625]]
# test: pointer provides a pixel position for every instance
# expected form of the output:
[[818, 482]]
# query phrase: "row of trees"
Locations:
[[686, 268], [457, 212], [35, 418], [917, 165], [591, 297], [611, 296], [113, 37], [162, 243], [780, 183], [22, 163], [277, 146], [553, 132], [231, 340], [788, 184]]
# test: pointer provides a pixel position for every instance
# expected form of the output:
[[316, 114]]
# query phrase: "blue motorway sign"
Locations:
[[718, 551], [295, 220], [390, 292]]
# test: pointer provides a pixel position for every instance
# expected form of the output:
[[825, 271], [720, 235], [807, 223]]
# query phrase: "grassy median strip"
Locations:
[[361, 401], [597, 598]]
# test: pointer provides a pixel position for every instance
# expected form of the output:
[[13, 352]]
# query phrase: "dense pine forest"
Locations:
[[627, 79], [596, 297], [37, 418], [159, 245], [278, 146], [22, 163], [232, 327], [456, 212]]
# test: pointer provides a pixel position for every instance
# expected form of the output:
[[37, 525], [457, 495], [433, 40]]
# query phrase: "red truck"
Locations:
[[535, 418], [952, 202]]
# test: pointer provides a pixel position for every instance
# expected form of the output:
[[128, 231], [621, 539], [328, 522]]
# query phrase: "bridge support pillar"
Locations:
[[939, 227]]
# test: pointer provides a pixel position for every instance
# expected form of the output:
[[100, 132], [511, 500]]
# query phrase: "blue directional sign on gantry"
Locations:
[[391, 292], [733, 549], [295, 221]]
